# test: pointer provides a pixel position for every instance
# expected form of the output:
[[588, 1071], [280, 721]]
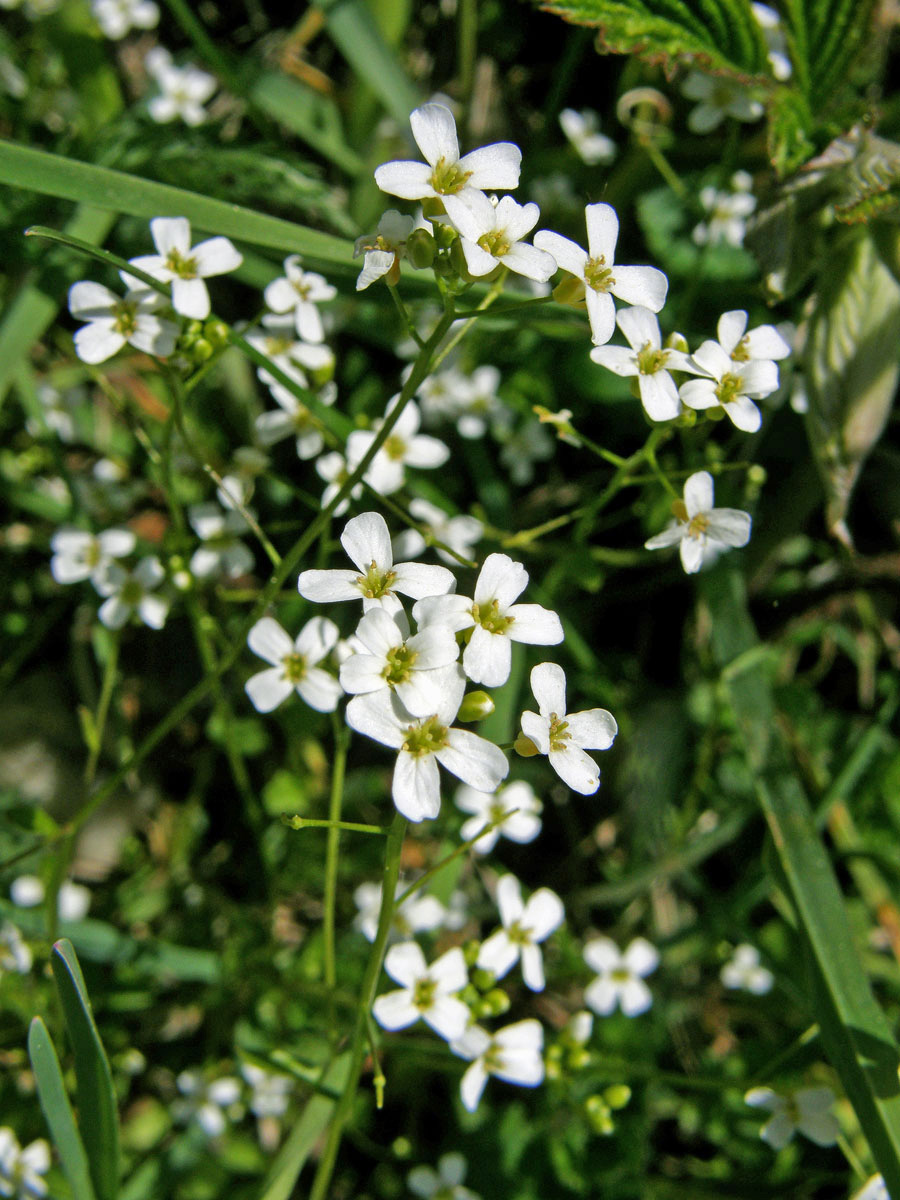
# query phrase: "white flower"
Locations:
[[417, 914], [492, 168], [300, 292], [730, 385], [390, 658], [762, 344], [183, 92], [530, 443], [443, 395], [72, 900], [602, 277], [114, 320], [743, 971], [719, 98], [21, 1168], [293, 418], [459, 533], [492, 236], [404, 447], [700, 530], [647, 360], [131, 592], [383, 249], [422, 743], [184, 266], [513, 1054], [524, 926], [78, 555], [620, 977], [807, 1110], [563, 736], [522, 825], [479, 403], [776, 42], [583, 131], [368, 544], [495, 620], [222, 552], [14, 953], [335, 470], [293, 665], [210, 1104], [427, 992], [116, 17], [579, 1027], [443, 1184], [874, 1188], [271, 1092], [727, 212]]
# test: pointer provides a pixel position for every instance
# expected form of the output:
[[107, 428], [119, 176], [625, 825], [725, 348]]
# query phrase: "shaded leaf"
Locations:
[[58, 1111], [824, 37]]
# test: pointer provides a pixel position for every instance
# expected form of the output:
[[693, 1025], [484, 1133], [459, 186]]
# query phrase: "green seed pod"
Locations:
[[421, 249], [525, 747], [475, 707], [498, 1001], [216, 332]]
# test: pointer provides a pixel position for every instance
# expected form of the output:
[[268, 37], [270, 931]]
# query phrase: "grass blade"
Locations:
[[58, 1111], [355, 32], [96, 1094]]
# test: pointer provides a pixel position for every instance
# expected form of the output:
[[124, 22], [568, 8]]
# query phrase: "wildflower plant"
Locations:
[[363, 745]]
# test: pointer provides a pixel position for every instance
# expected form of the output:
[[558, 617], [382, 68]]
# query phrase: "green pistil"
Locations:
[[728, 387], [125, 313], [741, 352], [303, 419], [427, 738], [598, 275], [489, 618], [620, 974], [423, 993], [294, 667], [395, 447], [494, 243], [375, 583], [518, 936], [496, 813], [399, 665], [650, 361], [559, 734], [447, 179], [493, 1058], [132, 593], [184, 268]]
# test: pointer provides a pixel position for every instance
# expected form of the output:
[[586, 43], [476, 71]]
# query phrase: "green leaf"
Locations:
[[53, 175], [824, 36], [856, 1036], [96, 1095], [355, 32], [851, 363], [312, 1124], [790, 122], [717, 35], [313, 118], [58, 1111]]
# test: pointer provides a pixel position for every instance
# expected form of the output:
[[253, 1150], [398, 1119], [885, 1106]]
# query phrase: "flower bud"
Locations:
[[458, 261], [202, 350], [475, 707], [687, 418], [216, 332], [483, 980], [470, 952], [599, 1115], [676, 341], [569, 291], [421, 248], [433, 206], [617, 1095], [525, 746], [497, 1001], [714, 414]]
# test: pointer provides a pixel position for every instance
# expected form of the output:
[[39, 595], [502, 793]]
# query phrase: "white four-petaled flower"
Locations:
[[807, 1111], [294, 665], [647, 360], [300, 292], [744, 971], [184, 266], [582, 128], [403, 447], [133, 592], [701, 531], [513, 1053], [524, 927], [522, 825], [22, 1167], [182, 91], [492, 235], [564, 737], [620, 976], [383, 249], [446, 1183], [412, 666], [116, 17], [114, 320], [79, 555], [429, 992]]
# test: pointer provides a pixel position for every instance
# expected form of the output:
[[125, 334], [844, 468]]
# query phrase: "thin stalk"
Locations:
[[404, 313], [106, 691], [496, 289], [460, 849], [466, 44], [350, 826], [341, 743]]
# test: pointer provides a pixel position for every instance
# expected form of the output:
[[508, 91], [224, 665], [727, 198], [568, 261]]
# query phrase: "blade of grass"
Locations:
[[355, 32], [855, 1033], [58, 1111], [96, 1094], [304, 113]]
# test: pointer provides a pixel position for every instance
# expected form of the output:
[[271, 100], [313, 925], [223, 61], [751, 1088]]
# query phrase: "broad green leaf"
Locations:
[[824, 37], [312, 1124], [58, 1112], [313, 118], [856, 1036], [852, 367], [116, 191], [97, 1107], [355, 32], [717, 35]]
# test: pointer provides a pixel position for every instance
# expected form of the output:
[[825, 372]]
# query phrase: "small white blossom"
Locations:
[[530, 443], [184, 266], [368, 545], [726, 212], [480, 402], [429, 992], [807, 1111], [701, 531], [563, 736], [743, 971], [182, 93], [602, 277], [78, 555], [776, 42], [443, 1184], [524, 927], [411, 666], [459, 533], [620, 977], [730, 385], [492, 168], [294, 665], [222, 552], [583, 131], [873, 1189], [417, 914], [113, 320], [212, 1105], [647, 360], [293, 419], [513, 1053], [404, 447], [21, 1167], [300, 292], [718, 98], [14, 953], [491, 236], [117, 17], [72, 900], [522, 825], [133, 592], [383, 249], [495, 620], [762, 344], [443, 395], [271, 1091], [335, 470]]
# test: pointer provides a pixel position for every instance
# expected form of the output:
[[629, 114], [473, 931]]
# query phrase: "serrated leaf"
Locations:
[[824, 37], [718, 35], [852, 368], [790, 122], [57, 1110]]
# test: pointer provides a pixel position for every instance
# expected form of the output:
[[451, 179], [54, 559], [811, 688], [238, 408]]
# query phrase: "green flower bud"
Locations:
[[202, 350], [617, 1095], [433, 206], [475, 707], [483, 980], [498, 1002], [525, 747], [470, 952], [216, 332], [458, 261], [421, 249], [687, 418], [757, 475], [599, 1115], [676, 341]]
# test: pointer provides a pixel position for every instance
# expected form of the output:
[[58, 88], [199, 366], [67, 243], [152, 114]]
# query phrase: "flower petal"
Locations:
[[474, 760]]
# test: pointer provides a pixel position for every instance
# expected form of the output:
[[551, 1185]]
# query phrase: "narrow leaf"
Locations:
[[96, 1095], [314, 119], [58, 1111], [303, 1137], [355, 32]]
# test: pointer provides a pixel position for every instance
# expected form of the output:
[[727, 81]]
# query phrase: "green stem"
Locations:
[[350, 826], [404, 313], [460, 849], [369, 987], [341, 743], [106, 690], [496, 289], [467, 44]]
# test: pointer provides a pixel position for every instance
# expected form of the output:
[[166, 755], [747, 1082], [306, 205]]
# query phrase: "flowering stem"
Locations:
[[370, 985], [467, 44], [664, 167]]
